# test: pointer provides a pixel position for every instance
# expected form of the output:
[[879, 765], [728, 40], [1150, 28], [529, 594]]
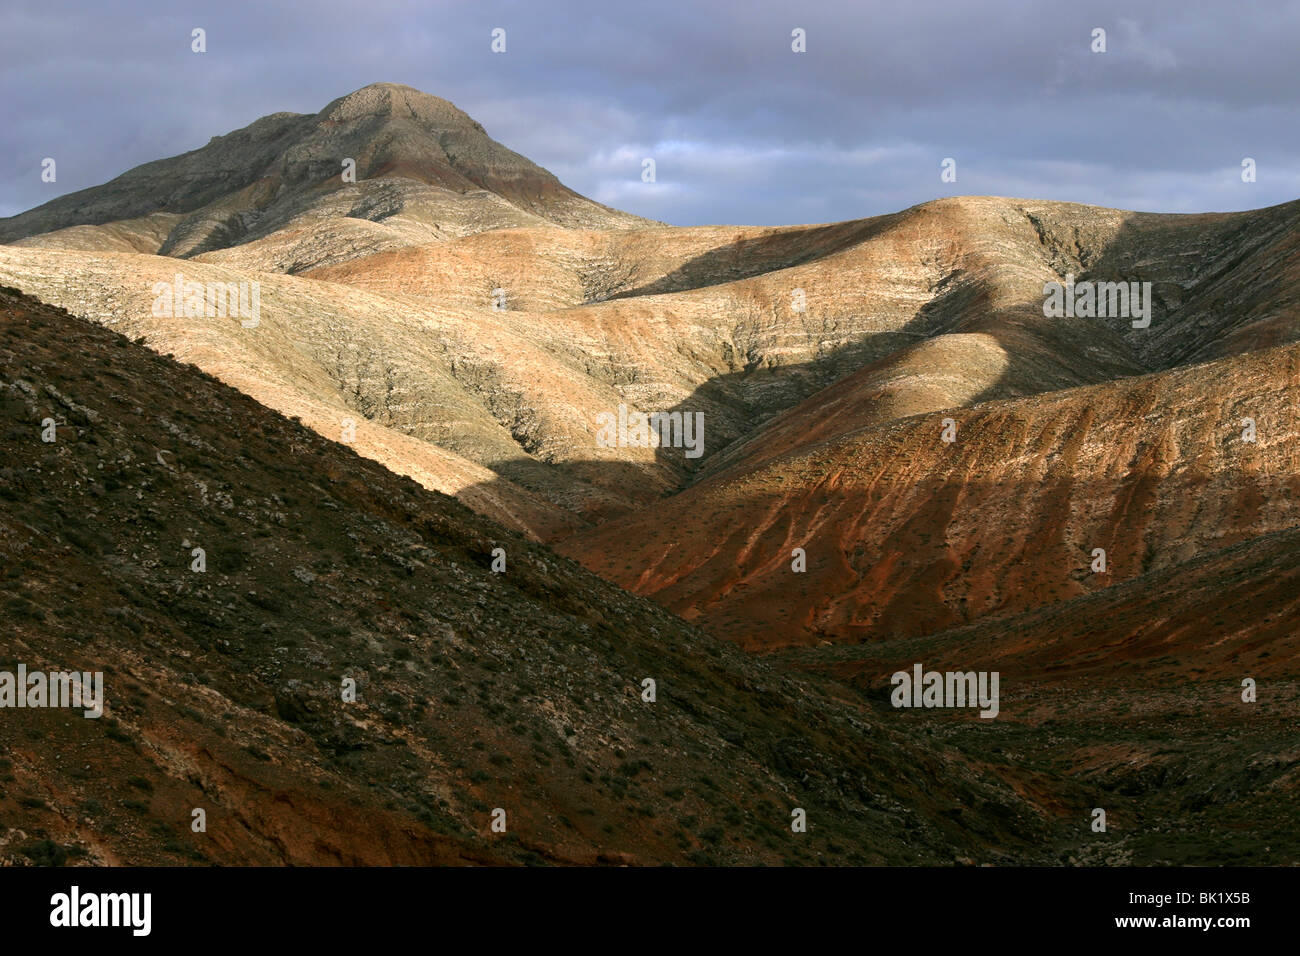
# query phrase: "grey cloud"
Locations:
[[743, 130]]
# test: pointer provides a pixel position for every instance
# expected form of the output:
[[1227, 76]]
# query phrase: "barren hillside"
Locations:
[[907, 534], [901, 457], [476, 690]]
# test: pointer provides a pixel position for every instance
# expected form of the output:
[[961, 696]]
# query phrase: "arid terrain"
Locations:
[[902, 460]]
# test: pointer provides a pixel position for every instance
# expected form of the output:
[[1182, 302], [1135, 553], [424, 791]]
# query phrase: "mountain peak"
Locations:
[[411, 153], [398, 101]]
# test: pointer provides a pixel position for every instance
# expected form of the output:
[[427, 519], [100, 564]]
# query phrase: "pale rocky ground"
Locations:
[[937, 307]]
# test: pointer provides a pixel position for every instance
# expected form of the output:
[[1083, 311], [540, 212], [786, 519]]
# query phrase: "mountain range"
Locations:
[[903, 457]]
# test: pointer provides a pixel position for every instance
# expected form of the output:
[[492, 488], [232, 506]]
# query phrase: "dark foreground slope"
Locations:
[[476, 690], [1133, 697]]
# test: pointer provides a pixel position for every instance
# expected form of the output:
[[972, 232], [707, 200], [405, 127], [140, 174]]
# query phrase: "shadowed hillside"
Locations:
[[476, 690]]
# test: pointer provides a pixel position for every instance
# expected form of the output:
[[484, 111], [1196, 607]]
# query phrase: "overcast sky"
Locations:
[[742, 129]]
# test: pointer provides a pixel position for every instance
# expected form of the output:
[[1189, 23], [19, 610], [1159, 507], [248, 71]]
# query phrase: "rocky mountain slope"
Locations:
[[1136, 693], [935, 308], [907, 534], [903, 458], [423, 170], [476, 690]]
